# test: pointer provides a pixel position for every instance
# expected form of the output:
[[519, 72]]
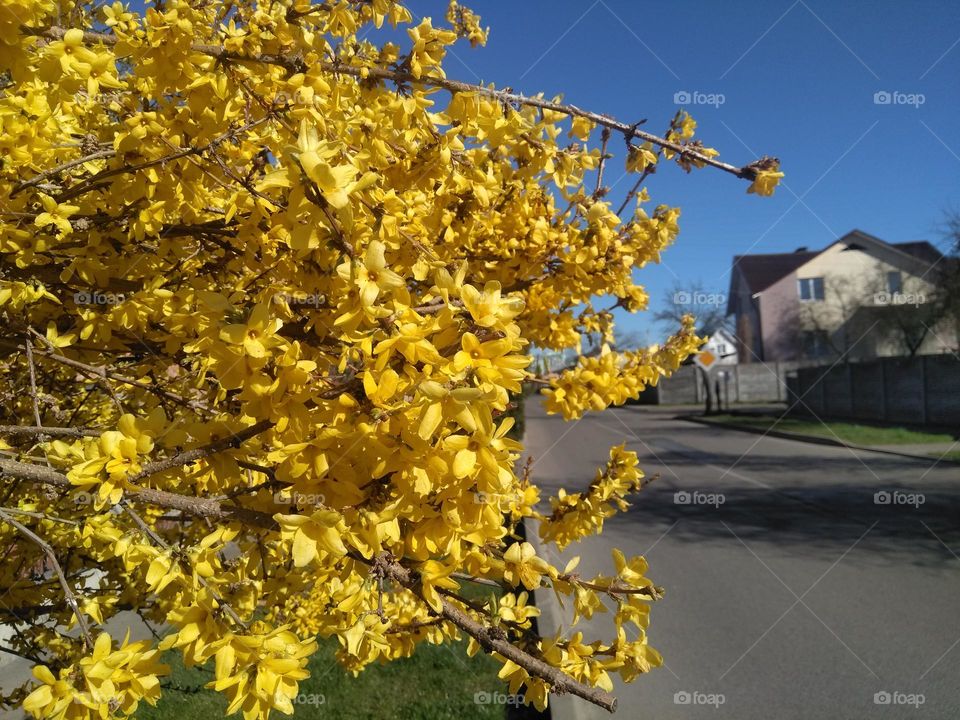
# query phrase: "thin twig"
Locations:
[[68, 593], [33, 383]]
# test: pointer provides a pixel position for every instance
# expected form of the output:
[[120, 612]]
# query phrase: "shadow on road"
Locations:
[[817, 522]]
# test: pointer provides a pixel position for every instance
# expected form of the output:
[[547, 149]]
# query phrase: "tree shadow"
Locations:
[[913, 526]]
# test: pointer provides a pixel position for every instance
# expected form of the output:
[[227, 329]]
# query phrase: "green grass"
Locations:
[[952, 455], [435, 683], [848, 432]]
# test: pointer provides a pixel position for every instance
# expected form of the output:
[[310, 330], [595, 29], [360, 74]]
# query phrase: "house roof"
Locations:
[[921, 249], [762, 271]]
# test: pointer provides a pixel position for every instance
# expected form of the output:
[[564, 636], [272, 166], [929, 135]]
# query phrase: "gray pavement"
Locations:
[[803, 595]]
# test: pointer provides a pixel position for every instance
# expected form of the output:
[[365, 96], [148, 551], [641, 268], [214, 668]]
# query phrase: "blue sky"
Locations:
[[798, 79]]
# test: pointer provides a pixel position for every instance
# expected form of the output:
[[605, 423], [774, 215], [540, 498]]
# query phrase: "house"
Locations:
[[723, 345], [856, 299]]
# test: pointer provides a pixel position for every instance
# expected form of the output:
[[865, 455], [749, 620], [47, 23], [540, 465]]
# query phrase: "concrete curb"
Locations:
[[551, 614], [813, 439]]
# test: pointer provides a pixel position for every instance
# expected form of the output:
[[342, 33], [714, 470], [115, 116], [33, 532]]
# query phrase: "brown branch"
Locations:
[[93, 182], [63, 167], [233, 440], [492, 641], [103, 373], [604, 139], [192, 505], [17, 430]]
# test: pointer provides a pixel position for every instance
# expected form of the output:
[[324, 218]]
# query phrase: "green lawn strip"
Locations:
[[435, 683], [952, 455], [847, 432], [438, 682]]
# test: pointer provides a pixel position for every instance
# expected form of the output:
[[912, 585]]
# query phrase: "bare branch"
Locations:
[[68, 593]]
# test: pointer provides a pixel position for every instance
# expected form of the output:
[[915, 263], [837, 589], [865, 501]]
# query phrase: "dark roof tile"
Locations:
[[762, 271]]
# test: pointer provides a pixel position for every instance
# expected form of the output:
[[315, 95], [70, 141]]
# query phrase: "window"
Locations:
[[814, 343], [811, 288], [894, 282], [721, 349]]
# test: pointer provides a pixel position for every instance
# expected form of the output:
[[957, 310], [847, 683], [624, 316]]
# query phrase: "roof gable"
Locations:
[[762, 271]]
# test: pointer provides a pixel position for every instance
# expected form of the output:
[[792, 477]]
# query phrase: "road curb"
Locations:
[[551, 614], [812, 439], [529, 712]]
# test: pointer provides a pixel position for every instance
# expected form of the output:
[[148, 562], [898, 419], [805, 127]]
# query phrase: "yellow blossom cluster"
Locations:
[[575, 515], [270, 283]]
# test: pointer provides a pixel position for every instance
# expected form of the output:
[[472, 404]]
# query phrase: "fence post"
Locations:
[[923, 389], [850, 387], [883, 389]]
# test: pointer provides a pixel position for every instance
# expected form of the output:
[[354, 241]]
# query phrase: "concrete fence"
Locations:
[[747, 383], [922, 390]]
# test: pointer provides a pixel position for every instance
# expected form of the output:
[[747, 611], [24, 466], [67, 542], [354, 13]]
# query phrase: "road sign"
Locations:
[[705, 359]]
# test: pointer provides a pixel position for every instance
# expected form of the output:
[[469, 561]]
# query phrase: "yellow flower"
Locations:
[[482, 450], [102, 684], [433, 575], [334, 179], [257, 336], [70, 50], [514, 608], [100, 71], [312, 534], [766, 181], [488, 308], [521, 565], [260, 672], [372, 276], [57, 215]]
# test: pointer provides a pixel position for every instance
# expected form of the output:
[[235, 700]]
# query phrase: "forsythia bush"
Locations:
[[267, 283]]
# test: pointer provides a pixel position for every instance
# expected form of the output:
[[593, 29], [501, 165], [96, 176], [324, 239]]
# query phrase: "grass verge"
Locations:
[[435, 683], [847, 432]]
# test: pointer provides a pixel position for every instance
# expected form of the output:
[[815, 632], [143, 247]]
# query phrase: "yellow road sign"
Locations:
[[706, 359]]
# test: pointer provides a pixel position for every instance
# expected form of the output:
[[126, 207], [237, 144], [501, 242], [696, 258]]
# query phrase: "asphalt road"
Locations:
[[797, 597]]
